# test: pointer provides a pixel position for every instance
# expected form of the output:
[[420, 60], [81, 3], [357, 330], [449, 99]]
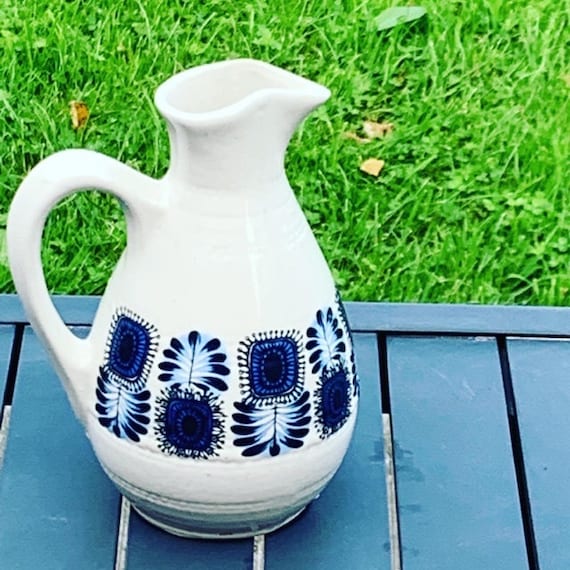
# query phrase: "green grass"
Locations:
[[472, 205]]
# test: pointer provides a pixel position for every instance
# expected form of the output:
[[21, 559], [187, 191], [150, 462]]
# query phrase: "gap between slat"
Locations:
[[259, 552], [391, 492], [13, 365], [8, 396], [123, 535], [518, 456], [390, 467], [4, 432]]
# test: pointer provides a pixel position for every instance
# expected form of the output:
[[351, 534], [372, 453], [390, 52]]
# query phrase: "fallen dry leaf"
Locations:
[[79, 114], [372, 166], [355, 137], [374, 130]]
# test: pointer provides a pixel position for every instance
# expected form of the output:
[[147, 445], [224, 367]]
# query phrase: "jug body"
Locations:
[[218, 384]]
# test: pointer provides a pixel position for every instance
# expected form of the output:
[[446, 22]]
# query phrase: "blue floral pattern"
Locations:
[[189, 417], [344, 322], [333, 399], [271, 368], [122, 400], [122, 412], [330, 346], [275, 410], [195, 360], [189, 424], [326, 340], [354, 375], [270, 430], [131, 347]]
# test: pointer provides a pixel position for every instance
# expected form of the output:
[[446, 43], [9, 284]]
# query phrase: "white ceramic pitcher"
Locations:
[[217, 385]]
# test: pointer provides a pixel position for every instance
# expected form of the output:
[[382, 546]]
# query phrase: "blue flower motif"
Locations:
[[121, 411], [271, 367], [342, 314], [344, 322], [333, 399], [189, 424], [269, 431], [326, 340], [195, 360], [354, 374], [131, 346]]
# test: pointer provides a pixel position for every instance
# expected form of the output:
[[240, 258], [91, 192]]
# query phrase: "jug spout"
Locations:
[[230, 122]]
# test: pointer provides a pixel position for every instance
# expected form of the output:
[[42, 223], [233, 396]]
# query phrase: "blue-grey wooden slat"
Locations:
[[347, 527], [370, 317], [456, 483], [541, 381], [74, 309], [57, 509], [459, 319], [150, 548], [6, 339]]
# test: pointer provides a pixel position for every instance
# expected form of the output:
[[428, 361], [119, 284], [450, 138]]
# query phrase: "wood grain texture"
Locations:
[[457, 492], [541, 380], [58, 510]]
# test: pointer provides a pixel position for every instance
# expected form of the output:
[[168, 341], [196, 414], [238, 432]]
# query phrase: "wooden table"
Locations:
[[460, 460]]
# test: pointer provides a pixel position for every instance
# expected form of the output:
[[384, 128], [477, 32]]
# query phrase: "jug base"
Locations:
[[183, 531]]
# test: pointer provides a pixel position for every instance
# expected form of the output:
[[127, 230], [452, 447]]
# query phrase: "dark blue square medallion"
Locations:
[[130, 344], [131, 348], [273, 367], [335, 398], [189, 424]]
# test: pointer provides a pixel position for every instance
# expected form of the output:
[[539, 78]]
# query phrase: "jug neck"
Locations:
[[230, 122]]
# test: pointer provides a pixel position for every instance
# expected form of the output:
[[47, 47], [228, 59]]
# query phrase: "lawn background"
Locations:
[[471, 206]]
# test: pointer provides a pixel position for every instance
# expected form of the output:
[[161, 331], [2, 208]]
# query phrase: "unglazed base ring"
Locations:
[[211, 535]]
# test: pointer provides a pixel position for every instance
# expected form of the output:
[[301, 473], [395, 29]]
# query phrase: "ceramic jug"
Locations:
[[217, 385]]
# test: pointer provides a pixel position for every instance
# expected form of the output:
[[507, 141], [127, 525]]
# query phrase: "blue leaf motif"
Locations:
[[343, 318], [355, 377], [122, 412], [326, 340], [344, 322], [269, 431], [195, 360]]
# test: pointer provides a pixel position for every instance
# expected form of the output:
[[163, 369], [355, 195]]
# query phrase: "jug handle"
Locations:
[[47, 183]]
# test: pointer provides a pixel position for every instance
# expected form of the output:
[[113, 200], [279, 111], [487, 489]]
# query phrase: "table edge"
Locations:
[[472, 319]]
